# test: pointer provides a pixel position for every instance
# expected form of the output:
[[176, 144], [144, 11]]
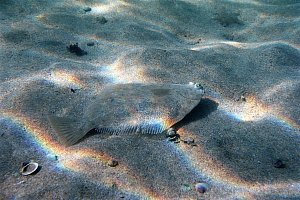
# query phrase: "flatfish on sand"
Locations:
[[131, 108]]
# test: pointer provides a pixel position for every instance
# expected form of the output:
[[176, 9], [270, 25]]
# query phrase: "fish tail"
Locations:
[[67, 129]]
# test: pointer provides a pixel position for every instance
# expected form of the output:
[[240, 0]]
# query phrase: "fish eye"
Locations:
[[198, 86]]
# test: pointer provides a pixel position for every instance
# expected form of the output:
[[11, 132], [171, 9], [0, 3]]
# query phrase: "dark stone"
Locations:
[[112, 163], [101, 20], [279, 164], [74, 48], [201, 187], [90, 44], [243, 98], [87, 9], [173, 137], [189, 141]]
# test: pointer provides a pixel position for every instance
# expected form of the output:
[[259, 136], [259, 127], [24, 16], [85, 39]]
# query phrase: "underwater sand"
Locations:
[[245, 54]]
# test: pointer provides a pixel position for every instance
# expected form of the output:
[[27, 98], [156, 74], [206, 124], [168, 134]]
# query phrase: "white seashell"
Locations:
[[29, 168]]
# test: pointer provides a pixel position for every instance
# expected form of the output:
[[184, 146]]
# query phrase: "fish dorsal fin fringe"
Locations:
[[67, 129], [141, 129]]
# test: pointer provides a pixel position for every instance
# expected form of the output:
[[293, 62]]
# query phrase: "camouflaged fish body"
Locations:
[[131, 108], [145, 128]]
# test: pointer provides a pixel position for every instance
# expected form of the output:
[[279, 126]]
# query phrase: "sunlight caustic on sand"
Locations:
[[117, 73], [106, 7], [65, 78], [75, 159], [254, 110]]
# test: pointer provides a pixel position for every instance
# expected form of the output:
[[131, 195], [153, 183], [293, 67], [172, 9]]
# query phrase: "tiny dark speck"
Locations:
[[72, 90]]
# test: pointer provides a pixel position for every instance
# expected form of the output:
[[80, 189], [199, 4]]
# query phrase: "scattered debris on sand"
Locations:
[[74, 48]]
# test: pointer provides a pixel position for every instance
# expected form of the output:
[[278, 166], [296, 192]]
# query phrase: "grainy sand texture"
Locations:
[[242, 141]]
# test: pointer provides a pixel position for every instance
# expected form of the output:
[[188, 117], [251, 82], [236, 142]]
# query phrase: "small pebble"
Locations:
[[171, 132], [201, 187], [87, 9], [172, 139], [101, 20], [279, 164], [243, 98], [188, 140], [74, 48], [90, 44], [177, 140], [112, 163]]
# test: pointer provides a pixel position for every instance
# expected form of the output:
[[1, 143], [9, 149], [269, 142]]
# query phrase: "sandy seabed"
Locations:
[[245, 54]]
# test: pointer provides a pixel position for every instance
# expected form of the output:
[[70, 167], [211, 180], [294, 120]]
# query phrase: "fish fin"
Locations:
[[68, 130]]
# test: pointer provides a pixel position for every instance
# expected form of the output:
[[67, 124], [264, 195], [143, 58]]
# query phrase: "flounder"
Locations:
[[131, 108]]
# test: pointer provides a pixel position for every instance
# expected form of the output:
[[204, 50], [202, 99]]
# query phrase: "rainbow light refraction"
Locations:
[[206, 165], [75, 159], [65, 78], [254, 110]]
